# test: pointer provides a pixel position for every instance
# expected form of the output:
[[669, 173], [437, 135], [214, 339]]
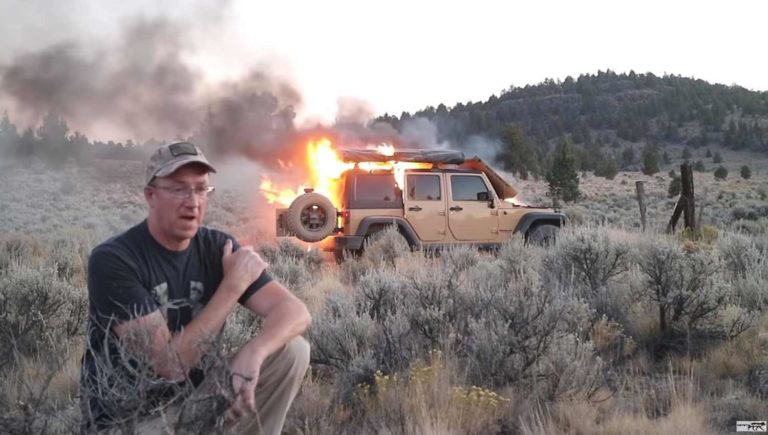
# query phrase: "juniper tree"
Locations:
[[746, 173], [721, 173], [562, 176]]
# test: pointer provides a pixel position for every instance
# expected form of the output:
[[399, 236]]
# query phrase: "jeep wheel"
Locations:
[[543, 235], [311, 217]]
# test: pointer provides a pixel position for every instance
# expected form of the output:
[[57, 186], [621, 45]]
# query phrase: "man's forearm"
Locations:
[[285, 321], [189, 345]]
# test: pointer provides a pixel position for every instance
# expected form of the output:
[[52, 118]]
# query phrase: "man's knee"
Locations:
[[296, 355]]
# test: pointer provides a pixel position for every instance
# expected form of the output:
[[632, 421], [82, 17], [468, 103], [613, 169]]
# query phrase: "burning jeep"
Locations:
[[435, 198]]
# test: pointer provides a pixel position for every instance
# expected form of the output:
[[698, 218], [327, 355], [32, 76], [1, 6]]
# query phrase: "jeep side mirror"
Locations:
[[486, 196]]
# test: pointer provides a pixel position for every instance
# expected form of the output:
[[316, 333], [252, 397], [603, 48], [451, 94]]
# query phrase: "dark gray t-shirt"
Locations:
[[130, 276]]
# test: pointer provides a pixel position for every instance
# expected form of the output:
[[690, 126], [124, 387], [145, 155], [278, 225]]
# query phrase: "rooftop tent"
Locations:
[[403, 155], [503, 189]]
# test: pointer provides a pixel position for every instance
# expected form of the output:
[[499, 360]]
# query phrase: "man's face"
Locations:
[[174, 206]]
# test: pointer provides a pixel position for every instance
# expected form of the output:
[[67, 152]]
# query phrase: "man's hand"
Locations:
[[245, 375], [243, 267]]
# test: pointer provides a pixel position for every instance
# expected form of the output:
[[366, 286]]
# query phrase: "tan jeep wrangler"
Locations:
[[448, 200]]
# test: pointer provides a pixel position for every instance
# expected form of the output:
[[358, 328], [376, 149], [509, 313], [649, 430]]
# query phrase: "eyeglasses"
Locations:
[[184, 192]]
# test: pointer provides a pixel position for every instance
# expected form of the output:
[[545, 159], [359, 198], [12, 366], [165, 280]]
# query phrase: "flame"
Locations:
[[515, 201], [324, 170], [386, 150], [398, 168], [274, 194]]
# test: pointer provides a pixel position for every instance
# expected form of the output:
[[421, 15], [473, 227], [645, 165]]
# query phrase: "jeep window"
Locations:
[[365, 190], [423, 187], [467, 187]]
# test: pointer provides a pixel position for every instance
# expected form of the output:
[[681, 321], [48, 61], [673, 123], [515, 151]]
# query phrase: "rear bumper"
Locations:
[[351, 243]]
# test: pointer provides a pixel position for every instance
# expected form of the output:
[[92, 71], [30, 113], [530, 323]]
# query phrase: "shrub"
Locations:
[[721, 173], [740, 255], [18, 249], [385, 247], [37, 309], [590, 259], [675, 187], [680, 284], [746, 173], [520, 321]]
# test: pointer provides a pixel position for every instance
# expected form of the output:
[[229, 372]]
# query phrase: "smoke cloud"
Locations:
[[140, 81]]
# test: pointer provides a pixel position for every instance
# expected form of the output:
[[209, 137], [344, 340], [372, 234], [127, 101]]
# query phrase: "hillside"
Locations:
[[607, 113]]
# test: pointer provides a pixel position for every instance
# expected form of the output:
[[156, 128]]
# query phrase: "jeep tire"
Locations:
[[311, 217], [543, 235]]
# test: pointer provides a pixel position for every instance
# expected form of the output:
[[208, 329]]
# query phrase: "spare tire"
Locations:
[[311, 217]]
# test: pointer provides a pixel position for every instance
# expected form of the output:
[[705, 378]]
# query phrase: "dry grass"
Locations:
[[640, 390]]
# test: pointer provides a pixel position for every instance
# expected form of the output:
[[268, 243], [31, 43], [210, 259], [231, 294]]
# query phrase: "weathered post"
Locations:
[[689, 213], [685, 205], [639, 186]]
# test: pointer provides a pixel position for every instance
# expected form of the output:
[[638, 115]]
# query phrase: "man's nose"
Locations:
[[192, 200]]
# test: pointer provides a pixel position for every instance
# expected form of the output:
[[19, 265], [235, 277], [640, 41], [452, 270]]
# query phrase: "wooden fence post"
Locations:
[[641, 201], [685, 205]]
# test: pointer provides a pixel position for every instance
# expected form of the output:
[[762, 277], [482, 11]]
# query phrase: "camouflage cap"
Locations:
[[168, 158]]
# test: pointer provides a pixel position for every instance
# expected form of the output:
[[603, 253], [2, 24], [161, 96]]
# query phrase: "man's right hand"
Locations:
[[243, 267]]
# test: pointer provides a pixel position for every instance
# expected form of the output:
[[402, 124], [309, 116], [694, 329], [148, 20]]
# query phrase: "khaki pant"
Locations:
[[279, 381]]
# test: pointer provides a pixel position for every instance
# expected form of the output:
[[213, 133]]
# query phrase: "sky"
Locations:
[[405, 55]]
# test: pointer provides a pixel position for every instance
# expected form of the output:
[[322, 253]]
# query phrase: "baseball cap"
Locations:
[[168, 158]]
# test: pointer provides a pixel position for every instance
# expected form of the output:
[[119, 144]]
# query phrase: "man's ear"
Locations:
[[150, 196]]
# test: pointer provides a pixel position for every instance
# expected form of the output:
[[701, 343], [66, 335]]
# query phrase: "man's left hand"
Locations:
[[245, 375]]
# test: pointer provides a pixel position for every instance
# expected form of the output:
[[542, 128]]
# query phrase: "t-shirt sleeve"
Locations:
[[260, 282], [114, 289]]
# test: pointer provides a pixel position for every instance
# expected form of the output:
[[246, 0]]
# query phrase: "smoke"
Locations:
[[143, 83]]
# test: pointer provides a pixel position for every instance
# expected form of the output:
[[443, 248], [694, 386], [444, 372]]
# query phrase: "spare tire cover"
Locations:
[[311, 217]]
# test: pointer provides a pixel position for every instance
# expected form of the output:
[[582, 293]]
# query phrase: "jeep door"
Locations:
[[470, 217], [424, 203]]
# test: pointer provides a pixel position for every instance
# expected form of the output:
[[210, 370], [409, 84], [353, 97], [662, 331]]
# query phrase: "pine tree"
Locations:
[[717, 158], [699, 166], [627, 157], [675, 187], [650, 161], [517, 154], [721, 173], [746, 173], [607, 168], [9, 136], [562, 176], [687, 153], [53, 146]]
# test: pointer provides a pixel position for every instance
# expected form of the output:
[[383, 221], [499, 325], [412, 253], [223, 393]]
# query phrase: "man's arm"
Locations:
[[285, 317], [171, 356]]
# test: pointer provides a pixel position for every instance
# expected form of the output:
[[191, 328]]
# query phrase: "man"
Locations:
[[160, 293]]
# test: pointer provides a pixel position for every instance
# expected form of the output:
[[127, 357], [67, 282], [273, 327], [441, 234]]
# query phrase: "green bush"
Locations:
[[721, 173], [37, 308]]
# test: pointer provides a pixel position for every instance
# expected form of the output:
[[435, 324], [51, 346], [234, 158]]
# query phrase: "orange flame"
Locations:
[[325, 169], [398, 168], [515, 201], [275, 194], [386, 149]]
